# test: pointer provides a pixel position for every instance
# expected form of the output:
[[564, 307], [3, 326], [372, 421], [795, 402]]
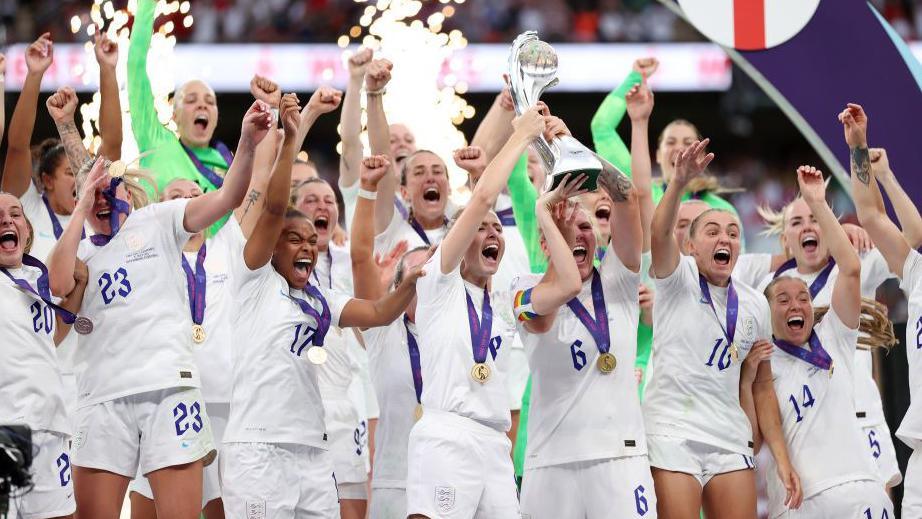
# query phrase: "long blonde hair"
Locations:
[[133, 180], [875, 328]]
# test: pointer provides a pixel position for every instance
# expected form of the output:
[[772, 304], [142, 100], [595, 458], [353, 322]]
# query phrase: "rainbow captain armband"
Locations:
[[522, 305]]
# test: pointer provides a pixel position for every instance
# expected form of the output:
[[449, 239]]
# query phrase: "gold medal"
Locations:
[[198, 334], [83, 325], [480, 372], [317, 355], [606, 363], [734, 352], [117, 169], [832, 367], [418, 412]]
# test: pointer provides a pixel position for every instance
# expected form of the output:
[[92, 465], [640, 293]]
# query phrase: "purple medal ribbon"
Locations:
[[480, 328], [323, 318], [55, 223], [414, 360], [506, 217], [419, 228], [212, 177], [820, 280], [597, 327], [43, 291], [733, 307], [195, 284], [816, 355], [600, 253], [402, 209], [117, 206], [329, 272]]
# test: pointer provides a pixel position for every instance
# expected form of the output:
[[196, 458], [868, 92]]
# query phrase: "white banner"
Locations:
[[479, 67]]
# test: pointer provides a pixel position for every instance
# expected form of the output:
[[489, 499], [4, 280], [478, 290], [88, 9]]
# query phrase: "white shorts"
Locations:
[[211, 478], [348, 441], [354, 491], [149, 431], [388, 503], [53, 491], [912, 488], [459, 468], [276, 480], [854, 499], [698, 459], [882, 451], [621, 487], [516, 371]]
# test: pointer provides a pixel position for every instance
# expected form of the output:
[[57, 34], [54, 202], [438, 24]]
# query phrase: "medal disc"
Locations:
[[418, 412], [317, 355], [606, 363], [117, 169], [832, 367], [198, 333], [480, 372], [734, 352], [83, 325]]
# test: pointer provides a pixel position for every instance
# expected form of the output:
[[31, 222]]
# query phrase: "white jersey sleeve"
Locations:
[[910, 430], [752, 268], [350, 199]]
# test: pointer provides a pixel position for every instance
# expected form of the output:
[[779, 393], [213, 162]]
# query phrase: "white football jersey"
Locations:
[[874, 271], [399, 229], [339, 276], [136, 298], [33, 393], [694, 393], [577, 412], [446, 354], [40, 215], [823, 436], [214, 356], [910, 430], [276, 394], [752, 269], [389, 360]]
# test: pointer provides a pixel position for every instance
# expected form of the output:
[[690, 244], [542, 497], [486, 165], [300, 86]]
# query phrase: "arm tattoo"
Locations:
[[252, 198], [77, 155], [616, 184], [861, 164]]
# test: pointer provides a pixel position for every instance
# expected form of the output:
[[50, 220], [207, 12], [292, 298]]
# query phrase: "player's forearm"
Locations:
[[906, 211], [664, 248], [17, 168], [63, 257], [350, 122], [494, 130], [365, 272], [110, 114], [769, 420], [76, 152]]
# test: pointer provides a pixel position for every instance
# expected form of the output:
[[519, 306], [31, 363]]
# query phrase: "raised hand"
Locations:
[[414, 273], [471, 159], [324, 100], [639, 101], [530, 124], [290, 114], [645, 297], [40, 54], [691, 162], [358, 63], [62, 105], [373, 170], [256, 124], [97, 179], [555, 128], [880, 164], [646, 66], [570, 187], [855, 124], [377, 75], [387, 263], [265, 90], [505, 99], [106, 49], [812, 185], [858, 237]]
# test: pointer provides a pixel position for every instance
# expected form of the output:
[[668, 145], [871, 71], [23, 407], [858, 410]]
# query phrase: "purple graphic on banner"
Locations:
[[846, 53]]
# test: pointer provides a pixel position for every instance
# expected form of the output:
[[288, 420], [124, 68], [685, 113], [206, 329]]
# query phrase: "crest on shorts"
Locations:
[[445, 499]]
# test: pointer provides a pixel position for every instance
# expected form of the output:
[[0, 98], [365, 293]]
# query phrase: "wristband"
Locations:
[[367, 195], [275, 114], [376, 92]]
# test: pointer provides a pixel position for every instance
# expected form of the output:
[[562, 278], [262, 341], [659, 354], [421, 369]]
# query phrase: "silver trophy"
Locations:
[[532, 70]]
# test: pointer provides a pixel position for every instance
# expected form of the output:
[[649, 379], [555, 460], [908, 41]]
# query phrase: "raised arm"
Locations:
[[869, 203], [62, 259], [261, 243], [365, 272], [210, 207], [324, 100], [496, 127], [527, 127], [145, 125], [2, 95], [605, 138], [377, 76], [247, 213], [17, 168], [363, 313], [110, 109], [639, 107], [562, 281], [350, 120], [71, 302], [689, 164], [846, 293], [62, 106], [906, 211]]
